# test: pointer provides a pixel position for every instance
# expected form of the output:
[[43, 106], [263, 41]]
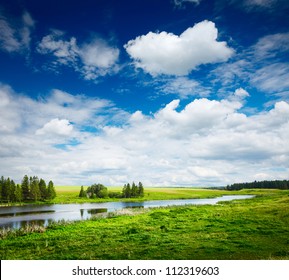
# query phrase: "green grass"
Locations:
[[256, 228], [69, 194]]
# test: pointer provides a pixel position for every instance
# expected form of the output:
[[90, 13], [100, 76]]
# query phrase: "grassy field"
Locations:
[[69, 194], [256, 228]]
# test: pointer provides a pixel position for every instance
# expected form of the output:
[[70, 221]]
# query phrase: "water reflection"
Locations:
[[87, 213], [25, 224], [134, 206], [21, 216], [24, 213]]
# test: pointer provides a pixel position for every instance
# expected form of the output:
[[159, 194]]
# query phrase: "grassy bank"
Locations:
[[257, 228]]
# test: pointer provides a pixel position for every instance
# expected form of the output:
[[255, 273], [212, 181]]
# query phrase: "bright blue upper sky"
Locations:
[[177, 92]]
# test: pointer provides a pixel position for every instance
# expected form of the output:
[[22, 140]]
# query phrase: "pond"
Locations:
[[19, 216]]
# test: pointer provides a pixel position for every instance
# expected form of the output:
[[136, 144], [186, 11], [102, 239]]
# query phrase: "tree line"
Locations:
[[277, 184], [100, 191], [30, 189]]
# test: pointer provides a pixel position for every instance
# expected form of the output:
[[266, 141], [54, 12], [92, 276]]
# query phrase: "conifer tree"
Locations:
[[51, 193], [1, 186], [6, 190], [43, 189], [140, 189], [25, 188], [134, 190], [34, 189], [126, 191], [18, 193], [82, 192], [11, 191]]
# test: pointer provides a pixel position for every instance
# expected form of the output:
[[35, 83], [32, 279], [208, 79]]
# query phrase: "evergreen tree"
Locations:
[[140, 189], [12, 191], [34, 189], [18, 193], [82, 192], [6, 190], [126, 191], [42, 189], [51, 193], [134, 190], [25, 188]]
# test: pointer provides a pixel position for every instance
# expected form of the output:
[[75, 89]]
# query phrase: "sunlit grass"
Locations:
[[255, 228], [69, 194]]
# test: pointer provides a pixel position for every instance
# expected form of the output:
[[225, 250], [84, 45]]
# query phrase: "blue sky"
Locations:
[[167, 92]]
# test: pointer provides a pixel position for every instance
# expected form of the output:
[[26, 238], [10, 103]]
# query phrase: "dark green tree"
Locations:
[[97, 190], [18, 193], [12, 191], [140, 189], [25, 188], [34, 189], [6, 190], [42, 189], [126, 191], [134, 190], [51, 193], [82, 192]]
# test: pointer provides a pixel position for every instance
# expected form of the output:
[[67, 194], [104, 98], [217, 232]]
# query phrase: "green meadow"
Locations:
[[256, 228], [69, 194]]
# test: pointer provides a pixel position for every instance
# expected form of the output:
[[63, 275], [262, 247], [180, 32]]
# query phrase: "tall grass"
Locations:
[[27, 229]]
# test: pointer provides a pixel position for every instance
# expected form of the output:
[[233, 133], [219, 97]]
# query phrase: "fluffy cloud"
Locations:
[[21, 114], [241, 93], [56, 127], [201, 142], [92, 59], [167, 53], [65, 52], [15, 37]]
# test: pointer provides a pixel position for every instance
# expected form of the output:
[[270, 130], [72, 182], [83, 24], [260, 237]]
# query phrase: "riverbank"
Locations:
[[70, 194], [256, 228], [19, 217]]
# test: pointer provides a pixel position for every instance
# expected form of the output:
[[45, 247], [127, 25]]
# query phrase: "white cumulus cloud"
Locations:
[[56, 127], [197, 142], [167, 53]]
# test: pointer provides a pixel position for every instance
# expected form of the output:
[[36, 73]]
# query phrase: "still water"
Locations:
[[19, 216]]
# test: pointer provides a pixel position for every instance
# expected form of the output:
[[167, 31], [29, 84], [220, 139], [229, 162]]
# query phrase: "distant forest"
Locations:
[[277, 184], [30, 189]]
